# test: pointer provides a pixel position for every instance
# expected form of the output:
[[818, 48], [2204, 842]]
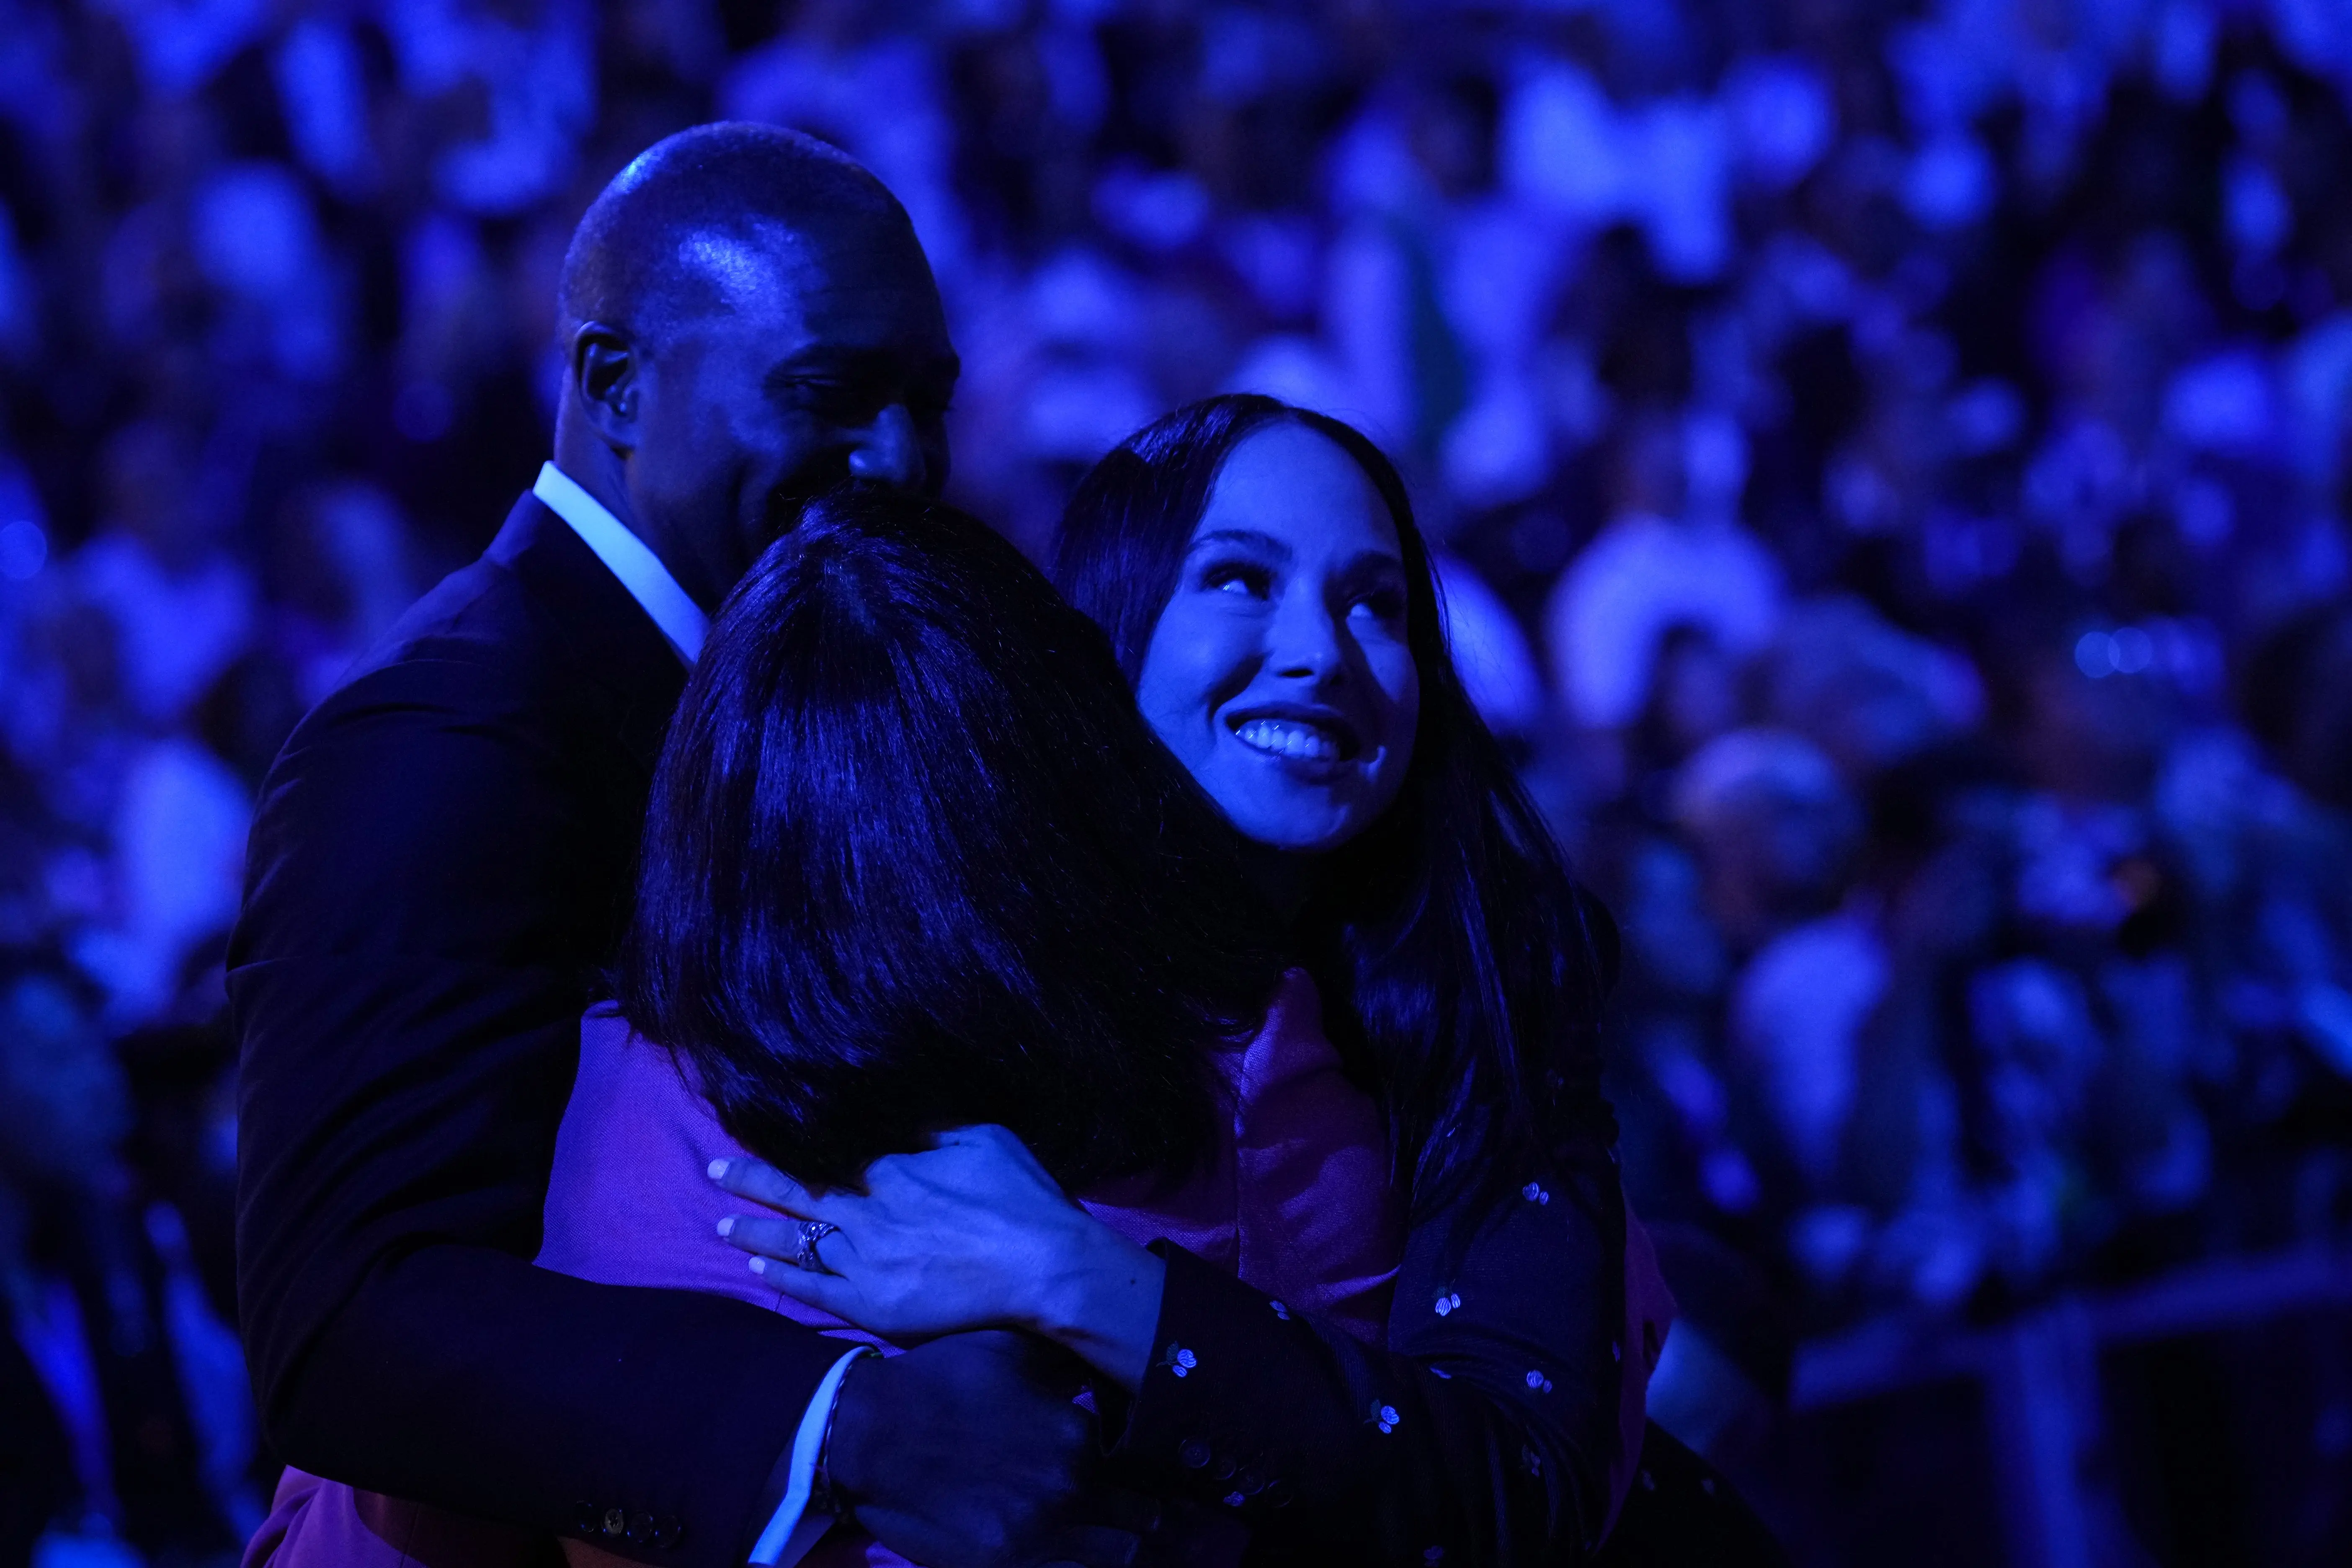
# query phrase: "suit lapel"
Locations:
[[606, 633]]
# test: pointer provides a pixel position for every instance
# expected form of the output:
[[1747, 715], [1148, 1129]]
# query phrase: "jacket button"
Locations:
[[1223, 1471], [616, 1523], [585, 1519], [641, 1530], [1193, 1453], [667, 1531]]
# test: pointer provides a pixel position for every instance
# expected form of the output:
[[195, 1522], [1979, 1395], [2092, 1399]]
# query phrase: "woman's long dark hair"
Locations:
[[1456, 955], [913, 859]]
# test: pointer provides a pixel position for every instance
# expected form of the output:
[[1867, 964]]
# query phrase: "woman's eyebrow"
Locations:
[[1365, 561], [1264, 543]]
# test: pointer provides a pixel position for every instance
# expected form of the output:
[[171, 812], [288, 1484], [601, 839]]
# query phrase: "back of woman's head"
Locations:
[[1454, 952], [913, 860]]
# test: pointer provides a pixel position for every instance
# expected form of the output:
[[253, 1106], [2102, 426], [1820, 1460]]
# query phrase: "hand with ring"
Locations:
[[970, 1234], [811, 1232]]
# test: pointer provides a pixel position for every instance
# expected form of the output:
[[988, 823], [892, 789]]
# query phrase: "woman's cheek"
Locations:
[[1186, 726], [1199, 663], [1400, 680]]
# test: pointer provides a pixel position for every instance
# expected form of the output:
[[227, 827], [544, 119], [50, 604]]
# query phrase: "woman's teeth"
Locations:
[[1284, 739]]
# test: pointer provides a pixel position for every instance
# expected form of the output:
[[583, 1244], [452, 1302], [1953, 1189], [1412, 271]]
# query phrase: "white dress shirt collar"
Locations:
[[628, 558]]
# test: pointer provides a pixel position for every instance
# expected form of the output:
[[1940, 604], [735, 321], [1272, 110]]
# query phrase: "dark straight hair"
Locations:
[[1458, 959], [913, 859]]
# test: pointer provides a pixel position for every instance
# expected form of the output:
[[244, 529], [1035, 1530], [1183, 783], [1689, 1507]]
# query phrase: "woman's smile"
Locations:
[[1313, 742]]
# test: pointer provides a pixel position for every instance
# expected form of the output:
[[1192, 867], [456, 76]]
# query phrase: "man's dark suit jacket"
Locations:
[[441, 860]]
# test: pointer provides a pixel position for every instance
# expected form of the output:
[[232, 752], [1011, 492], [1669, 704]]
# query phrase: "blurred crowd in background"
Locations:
[[1891, 462]]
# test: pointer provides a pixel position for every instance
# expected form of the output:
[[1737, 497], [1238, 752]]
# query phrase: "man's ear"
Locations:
[[604, 373]]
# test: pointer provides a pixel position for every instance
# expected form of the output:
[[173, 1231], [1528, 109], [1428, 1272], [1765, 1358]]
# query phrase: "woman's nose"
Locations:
[[1305, 642], [888, 450]]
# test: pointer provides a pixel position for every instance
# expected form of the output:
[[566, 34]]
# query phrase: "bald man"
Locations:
[[440, 863]]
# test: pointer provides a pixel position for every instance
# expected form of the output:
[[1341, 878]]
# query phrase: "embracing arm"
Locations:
[[972, 1234], [1482, 1432], [431, 877]]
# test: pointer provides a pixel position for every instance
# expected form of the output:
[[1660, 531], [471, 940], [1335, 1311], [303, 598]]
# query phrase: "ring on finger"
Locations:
[[811, 1232]]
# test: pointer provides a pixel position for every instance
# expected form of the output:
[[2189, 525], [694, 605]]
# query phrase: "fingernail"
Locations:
[[759, 1266], [717, 1170], [727, 1226]]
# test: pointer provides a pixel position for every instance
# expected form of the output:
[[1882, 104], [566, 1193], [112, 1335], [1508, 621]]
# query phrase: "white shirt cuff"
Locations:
[[793, 1530]]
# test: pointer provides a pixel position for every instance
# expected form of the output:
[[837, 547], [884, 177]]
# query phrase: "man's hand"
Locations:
[[967, 1452]]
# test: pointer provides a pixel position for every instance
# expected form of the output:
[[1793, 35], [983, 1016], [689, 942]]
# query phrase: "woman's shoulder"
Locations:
[[629, 1200]]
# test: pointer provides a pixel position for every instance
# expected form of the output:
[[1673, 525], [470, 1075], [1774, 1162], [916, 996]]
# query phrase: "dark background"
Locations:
[[1891, 461]]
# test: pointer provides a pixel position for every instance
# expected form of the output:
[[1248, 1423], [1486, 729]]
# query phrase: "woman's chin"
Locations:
[[1300, 805], [1298, 827]]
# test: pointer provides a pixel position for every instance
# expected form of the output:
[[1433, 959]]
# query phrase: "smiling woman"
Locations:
[[1280, 672], [1258, 569], [1265, 588]]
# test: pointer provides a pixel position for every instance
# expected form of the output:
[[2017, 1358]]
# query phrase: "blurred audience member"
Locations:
[[122, 1398]]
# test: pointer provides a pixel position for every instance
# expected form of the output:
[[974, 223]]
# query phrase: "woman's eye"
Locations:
[[1386, 607], [1244, 580]]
